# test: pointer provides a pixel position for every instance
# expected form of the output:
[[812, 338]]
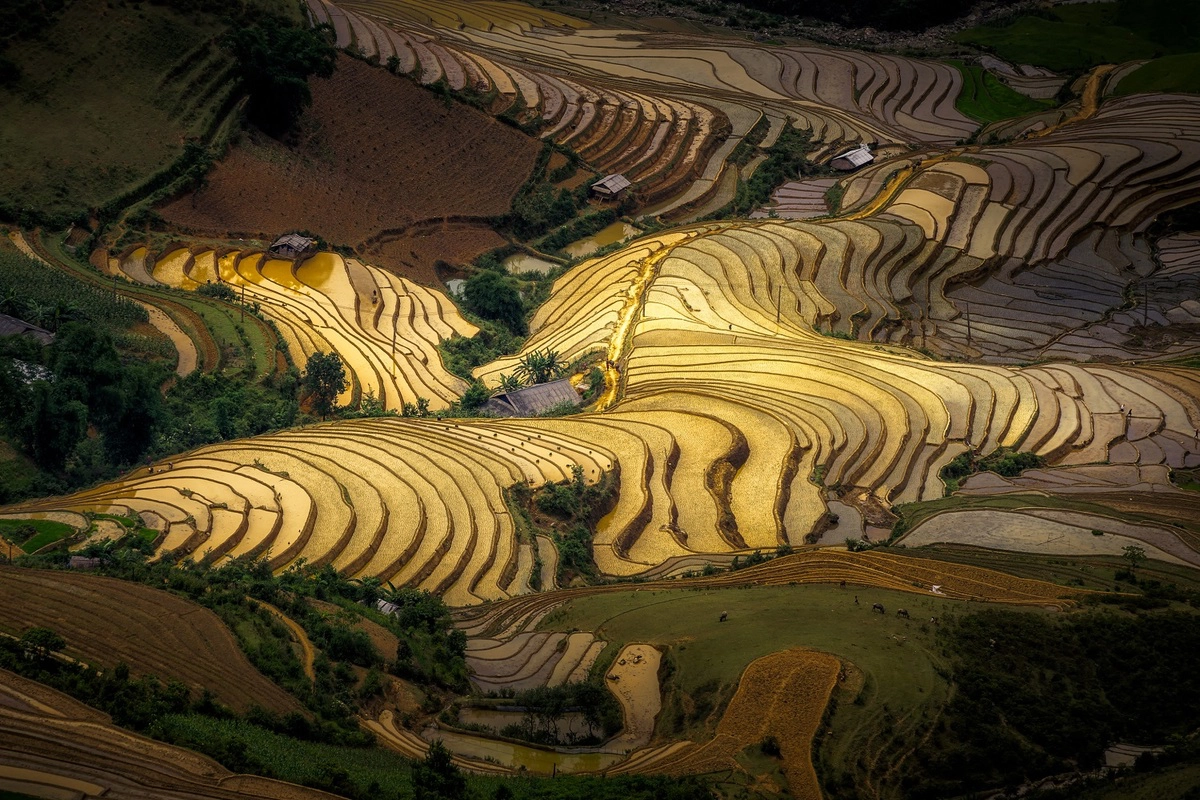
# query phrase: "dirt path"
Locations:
[[633, 680], [189, 356], [300, 636]]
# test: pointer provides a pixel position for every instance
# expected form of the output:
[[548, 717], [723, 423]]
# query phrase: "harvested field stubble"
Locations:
[[782, 695], [56, 747], [106, 621]]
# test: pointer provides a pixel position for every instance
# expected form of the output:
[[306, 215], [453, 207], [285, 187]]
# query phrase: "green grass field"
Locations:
[[47, 532], [107, 96], [902, 690], [1179, 73], [987, 99], [1073, 38]]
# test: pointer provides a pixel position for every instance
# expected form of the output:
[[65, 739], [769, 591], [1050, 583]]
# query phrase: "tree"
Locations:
[[436, 778], [1135, 555], [324, 379], [41, 642], [274, 61], [494, 296]]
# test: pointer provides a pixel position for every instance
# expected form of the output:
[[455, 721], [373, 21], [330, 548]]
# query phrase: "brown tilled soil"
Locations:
[[107, 621], [377, 163]]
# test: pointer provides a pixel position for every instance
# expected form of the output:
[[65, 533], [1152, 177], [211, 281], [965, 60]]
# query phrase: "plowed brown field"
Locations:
[[374, 154], [781, 695], [107, 621]]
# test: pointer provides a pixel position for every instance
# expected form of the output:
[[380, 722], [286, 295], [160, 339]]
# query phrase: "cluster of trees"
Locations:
[[83, 410], [578, 505], [274, 61], [545, 707], [51, 396], [1001, 461], [1035, 695]]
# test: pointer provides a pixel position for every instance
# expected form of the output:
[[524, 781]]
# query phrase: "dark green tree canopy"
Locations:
[[274, 62], [493, 296], [324, 379]]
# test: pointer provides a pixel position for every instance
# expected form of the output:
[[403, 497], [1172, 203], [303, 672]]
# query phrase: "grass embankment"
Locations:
[[105, 99], [1073, 38], [901, 690], [1178, 73], [986, 98], [32, 535]]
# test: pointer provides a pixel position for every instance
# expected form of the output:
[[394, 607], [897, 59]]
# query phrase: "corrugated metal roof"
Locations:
[[853, 158], [291, 241], [530, 401], [612, 183]]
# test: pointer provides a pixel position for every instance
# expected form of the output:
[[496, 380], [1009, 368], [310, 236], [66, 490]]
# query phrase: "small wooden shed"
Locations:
[[11, 326], [853, 159], [290, 245], [529, 401], [610, 187]]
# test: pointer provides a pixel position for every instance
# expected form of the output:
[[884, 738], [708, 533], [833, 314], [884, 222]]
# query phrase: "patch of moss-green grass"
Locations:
[[986, 98], [45, 532], [1077, 37], [1178, 73], [902, 692]]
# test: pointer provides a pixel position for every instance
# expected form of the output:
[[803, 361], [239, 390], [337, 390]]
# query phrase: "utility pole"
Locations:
[[1146, 306], [778, 297], [394, 345], [243, 301], [968, 310]]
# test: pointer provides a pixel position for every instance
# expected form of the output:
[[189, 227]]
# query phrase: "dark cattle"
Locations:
[[724, 616], [878, 607], [902, 612]]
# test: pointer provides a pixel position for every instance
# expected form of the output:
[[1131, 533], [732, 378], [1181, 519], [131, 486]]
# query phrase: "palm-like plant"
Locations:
[[509, 383], [539, 366], [37, 313]]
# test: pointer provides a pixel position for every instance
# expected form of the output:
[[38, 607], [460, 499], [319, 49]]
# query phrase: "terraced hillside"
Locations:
[[665, 110], [57, 747], [106, 622], [384, 327], [728, 413]]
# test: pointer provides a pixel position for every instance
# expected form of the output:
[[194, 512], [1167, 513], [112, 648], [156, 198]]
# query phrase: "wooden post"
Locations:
[[394, 342], [243, 301], [968, 312], [1146, 306], [778, 297]]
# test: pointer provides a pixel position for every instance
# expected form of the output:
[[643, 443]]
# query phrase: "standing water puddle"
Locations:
[[617, 232]]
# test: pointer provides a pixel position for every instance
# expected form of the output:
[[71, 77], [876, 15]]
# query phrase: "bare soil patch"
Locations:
[[377, 163]]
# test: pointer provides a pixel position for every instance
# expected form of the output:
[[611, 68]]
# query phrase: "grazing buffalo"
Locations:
[[878, 607], [902, 612]]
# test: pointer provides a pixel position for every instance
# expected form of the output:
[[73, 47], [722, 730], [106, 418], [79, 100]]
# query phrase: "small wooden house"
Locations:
[[11, 326], [530, 401], [290, 245], [610, 187], [853, 159]]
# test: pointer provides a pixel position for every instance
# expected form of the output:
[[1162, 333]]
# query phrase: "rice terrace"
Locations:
[[639, 399]]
